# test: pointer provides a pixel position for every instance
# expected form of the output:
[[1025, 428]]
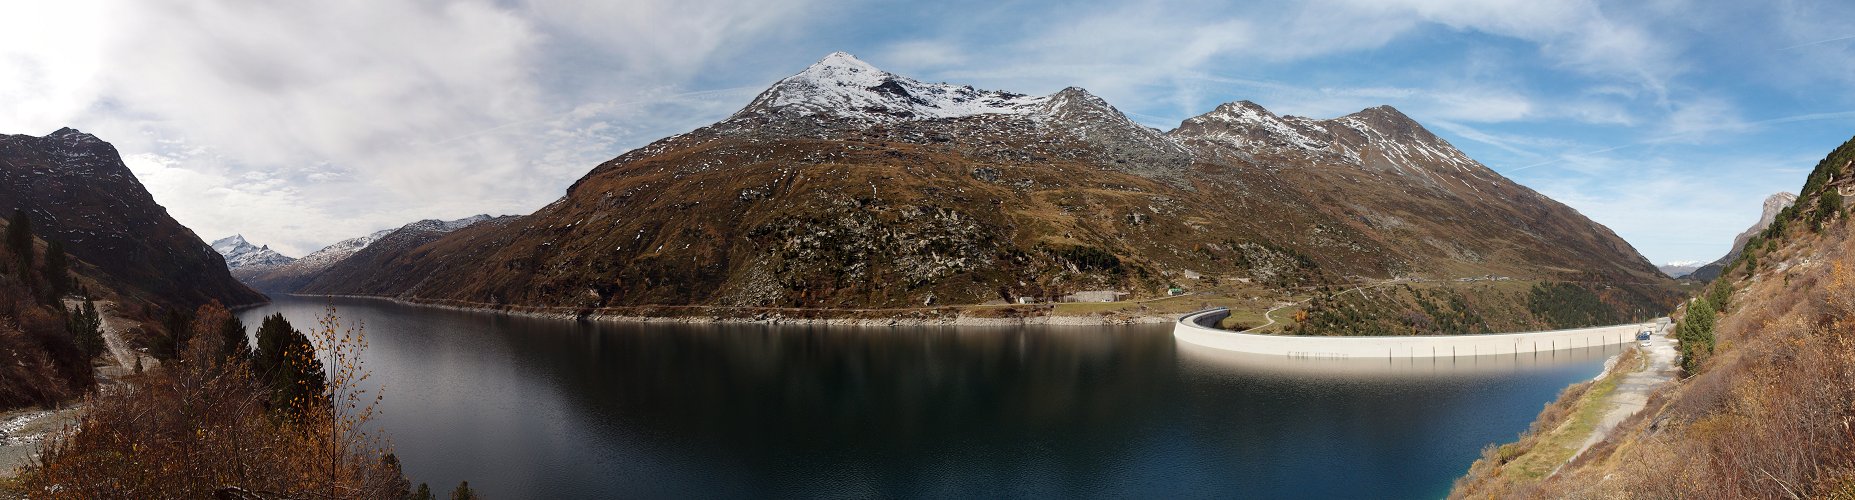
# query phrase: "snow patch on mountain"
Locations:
[[239, 253], [341, 250], [843, 86], [1380, 138]]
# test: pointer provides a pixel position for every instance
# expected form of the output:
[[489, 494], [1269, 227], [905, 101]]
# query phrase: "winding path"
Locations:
[[1632, 393], [113, 326]]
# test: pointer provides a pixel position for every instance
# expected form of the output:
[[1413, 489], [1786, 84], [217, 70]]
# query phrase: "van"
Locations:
[[1643, 338]]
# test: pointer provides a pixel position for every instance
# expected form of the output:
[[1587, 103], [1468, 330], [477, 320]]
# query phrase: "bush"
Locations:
[[200, 425]]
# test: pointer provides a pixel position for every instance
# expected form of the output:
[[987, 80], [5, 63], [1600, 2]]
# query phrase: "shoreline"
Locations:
[[778, 316]]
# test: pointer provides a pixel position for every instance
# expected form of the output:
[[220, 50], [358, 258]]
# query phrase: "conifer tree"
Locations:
[[234, 344], [86, 328], [463, 492], [1696, 334], [287, 361], [19, 235]]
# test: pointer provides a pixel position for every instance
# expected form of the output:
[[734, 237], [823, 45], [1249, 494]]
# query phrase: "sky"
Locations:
[[299, 124]]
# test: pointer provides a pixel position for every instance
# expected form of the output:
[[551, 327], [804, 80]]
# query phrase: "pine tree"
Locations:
[[173, 337], [1719, 294], [1696, 334], [289, 363], [57, 270], [19, 242], [19, 234], [463, 492], [235, 345], [86, 328]]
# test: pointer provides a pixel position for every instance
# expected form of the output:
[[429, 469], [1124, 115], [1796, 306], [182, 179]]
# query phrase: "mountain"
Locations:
[[77, 191], [290, 276], [845, 186], [239, 253], [360, 272], [1679, 269], [1774, 204]]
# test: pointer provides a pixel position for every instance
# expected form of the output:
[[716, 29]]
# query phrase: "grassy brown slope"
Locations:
[[1768, 414], [876, 227]]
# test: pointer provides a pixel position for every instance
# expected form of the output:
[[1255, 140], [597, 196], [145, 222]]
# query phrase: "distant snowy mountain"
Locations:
[[843, 86], [1680, 268], [240, 253], [286, 277]]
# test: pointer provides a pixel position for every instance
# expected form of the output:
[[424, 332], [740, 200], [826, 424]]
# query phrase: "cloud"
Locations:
[[49, 62], [923, 54], [351, 116]]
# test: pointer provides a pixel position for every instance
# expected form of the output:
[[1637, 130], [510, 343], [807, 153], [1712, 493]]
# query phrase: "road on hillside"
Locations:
[[1632, 393]]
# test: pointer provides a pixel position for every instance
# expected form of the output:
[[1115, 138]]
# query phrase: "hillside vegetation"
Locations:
[[43, 360], [1767, 404], [1487, 306]]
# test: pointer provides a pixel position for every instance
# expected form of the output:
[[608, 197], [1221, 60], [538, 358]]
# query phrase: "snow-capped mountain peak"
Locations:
[[842, 86], [228, 244], [1379, 138], [239, 253]]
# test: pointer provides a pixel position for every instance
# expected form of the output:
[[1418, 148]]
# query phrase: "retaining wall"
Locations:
[[1197, 328]]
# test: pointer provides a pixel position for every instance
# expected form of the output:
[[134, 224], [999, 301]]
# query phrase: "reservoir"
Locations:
[[527, 407]]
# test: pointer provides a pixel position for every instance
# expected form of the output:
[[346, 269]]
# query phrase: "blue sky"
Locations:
[[299, 125]]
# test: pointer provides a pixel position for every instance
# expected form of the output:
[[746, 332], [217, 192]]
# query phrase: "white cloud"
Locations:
[[923, 54], [50, 55], [328, 120]]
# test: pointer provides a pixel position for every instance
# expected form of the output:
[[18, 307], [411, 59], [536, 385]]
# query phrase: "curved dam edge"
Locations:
[[1195, 328]]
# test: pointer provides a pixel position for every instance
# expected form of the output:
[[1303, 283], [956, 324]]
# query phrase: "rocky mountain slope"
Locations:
[[239, 253], [1765, 405], [78, 192], [290, 276], [1774, 204], [845, 186]]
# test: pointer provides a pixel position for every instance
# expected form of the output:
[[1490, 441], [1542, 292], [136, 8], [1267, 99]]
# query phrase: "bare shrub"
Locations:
[[200, 425]]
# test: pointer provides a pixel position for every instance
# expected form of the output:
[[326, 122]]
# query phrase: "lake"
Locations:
[[526, 407]]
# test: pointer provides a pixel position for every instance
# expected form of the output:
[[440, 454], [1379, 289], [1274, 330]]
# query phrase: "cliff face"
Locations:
[[847, 186], [1774, 204], [77, 191]]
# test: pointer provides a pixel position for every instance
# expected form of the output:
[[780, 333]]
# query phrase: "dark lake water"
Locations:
[[529, 408]]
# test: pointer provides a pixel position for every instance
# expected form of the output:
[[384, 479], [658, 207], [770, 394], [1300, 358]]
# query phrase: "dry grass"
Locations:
[[1514, 469], [1770, 415]]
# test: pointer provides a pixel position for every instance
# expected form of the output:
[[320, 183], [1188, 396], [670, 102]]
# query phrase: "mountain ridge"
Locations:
[[898, 197], [289, 276], [79, 192], [240, 253]]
